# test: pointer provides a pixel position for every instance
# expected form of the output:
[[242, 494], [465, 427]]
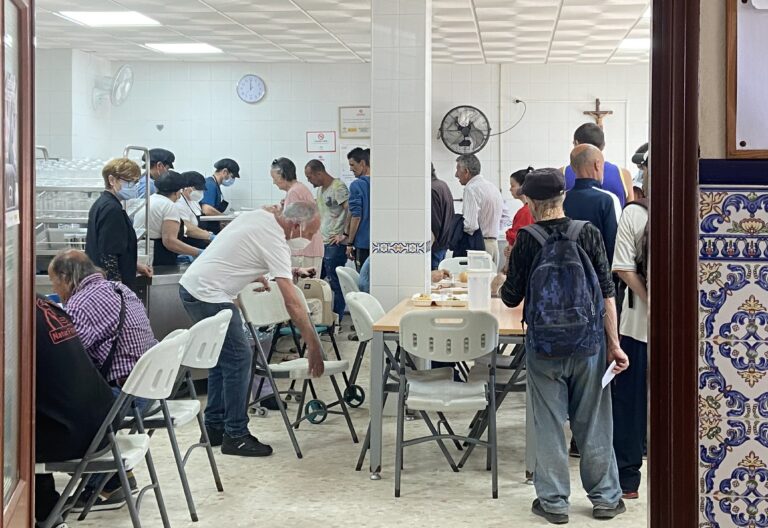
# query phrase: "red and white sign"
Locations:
[[321, 141]]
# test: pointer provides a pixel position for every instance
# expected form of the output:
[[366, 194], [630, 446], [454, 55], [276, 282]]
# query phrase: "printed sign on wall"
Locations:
[[321, 141]]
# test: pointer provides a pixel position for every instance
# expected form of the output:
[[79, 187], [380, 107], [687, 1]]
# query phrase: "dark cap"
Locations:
[[170, 182], [544, 184], [640, 157], [194, 179], [163, 156], [229, 164]]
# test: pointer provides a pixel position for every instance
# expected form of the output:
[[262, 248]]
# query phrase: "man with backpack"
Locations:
[[560, 268], [630, 391]]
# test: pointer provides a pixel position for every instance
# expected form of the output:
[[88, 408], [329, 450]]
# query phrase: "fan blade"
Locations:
[[478, 138]]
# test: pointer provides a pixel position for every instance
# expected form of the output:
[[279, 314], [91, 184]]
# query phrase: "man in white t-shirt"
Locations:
[[630, 405], [251, 248]]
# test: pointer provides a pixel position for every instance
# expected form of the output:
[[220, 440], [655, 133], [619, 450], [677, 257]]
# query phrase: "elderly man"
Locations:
[[588, 200], [110, 320], [442, 216], [564, 381], [482, 203], [254, 245]]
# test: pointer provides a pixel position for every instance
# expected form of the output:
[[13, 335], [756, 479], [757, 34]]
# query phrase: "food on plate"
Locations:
[[423, 297], [463, 276]]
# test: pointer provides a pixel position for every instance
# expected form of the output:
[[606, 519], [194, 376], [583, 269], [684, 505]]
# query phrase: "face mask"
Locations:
[[298, 244], [196, 196], [127, 191], [228, 182]]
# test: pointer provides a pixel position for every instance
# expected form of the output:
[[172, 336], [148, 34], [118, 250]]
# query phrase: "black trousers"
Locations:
[[361, 255], [630, 414]]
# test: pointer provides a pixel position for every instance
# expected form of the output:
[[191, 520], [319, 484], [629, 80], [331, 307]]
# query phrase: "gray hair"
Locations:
[[285, 168], [540, 209], [300, 212], [469, 162], [72, 266]]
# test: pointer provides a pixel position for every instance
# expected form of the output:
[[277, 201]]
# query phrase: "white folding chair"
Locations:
[[448, 335], [204, 342], [454, 265], [152, 378], [349, 280], [267, 308]]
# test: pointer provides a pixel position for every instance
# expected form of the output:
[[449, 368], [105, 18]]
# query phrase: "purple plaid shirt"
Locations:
[[95, 309]]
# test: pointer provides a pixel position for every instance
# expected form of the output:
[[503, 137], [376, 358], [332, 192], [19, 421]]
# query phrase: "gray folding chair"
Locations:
[[152, 378], [448, 335]]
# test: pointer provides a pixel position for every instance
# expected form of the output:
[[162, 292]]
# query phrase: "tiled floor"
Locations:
[[323, 489]]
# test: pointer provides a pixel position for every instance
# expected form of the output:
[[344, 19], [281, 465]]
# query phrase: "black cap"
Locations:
[[170, 182], [544, 184], [194, 179], [165, 157], [640, 157], [229, 164]]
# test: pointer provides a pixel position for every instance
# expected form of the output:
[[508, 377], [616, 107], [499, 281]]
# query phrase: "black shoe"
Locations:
[[248, 446], [271, 404], [573, 452], [609, 513], [552, 518], [216, 436], [105, 502]]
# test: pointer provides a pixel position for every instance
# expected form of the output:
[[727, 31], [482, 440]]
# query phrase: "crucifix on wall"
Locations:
[[598, 114]]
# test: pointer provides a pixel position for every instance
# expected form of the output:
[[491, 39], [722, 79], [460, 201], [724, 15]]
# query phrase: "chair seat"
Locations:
[[132, 447], [182, 412], [299, 368], [286, 330], [441, 373], [445, 395]]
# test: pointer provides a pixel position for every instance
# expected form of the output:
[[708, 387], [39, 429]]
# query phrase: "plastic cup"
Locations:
[[479, 289]]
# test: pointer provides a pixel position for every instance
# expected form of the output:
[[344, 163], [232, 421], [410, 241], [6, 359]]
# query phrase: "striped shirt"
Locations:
[[95, 310], [482, 207]]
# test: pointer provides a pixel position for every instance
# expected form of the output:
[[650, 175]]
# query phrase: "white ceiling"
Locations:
[[464, 31]]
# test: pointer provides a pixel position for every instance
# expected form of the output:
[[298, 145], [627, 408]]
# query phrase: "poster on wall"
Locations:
[[324, 141], [354, 122], [345, 147], [11, 152]]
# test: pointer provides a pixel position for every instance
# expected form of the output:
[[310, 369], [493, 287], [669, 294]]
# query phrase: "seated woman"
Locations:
[[189, 210], [164, 225], [99, 308], [71, 400]]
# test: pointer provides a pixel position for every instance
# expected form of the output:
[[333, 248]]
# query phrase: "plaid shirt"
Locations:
[[95, 309]]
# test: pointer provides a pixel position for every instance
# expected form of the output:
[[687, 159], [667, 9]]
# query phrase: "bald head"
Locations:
[[587, 162]]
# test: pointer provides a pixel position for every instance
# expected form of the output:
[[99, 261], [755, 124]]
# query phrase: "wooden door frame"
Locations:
[[673, 343], [20, 510]]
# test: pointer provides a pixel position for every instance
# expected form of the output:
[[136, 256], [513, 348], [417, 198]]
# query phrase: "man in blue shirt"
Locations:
[[588, 200], [226, 170], [360, 206], [160, 162]]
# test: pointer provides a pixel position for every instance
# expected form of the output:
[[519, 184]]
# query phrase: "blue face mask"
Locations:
[[228, 182], [128, 191]]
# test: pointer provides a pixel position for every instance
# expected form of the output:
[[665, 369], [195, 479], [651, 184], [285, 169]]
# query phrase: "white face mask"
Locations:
[[195, 196], [298, 244]]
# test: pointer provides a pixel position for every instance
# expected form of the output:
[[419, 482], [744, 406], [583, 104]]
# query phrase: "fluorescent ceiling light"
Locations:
[[108, 18], [183, 48], [635, 44]]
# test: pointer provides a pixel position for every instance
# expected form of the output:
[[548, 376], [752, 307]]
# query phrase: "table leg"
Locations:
[[376, 403]]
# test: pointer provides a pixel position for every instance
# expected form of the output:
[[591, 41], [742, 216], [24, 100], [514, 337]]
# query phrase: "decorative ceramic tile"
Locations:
[[750, 512], [733, 415], [733, 248], [733, 211], [401, 248], [733, 301]]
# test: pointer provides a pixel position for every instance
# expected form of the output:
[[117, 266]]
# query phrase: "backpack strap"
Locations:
[[107, 365], [537, 232], [574, 230]]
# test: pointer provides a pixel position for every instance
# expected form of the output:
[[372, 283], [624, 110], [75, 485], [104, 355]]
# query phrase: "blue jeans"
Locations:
[[334, 256], [228, 380], [571, 388], [438, 255]]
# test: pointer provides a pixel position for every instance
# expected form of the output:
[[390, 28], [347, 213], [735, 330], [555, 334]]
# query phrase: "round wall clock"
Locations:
[[251, 88]]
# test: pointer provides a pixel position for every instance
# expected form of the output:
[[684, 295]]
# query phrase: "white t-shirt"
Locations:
[[634, 321], [161, 209], [189, 211], [252, 246]]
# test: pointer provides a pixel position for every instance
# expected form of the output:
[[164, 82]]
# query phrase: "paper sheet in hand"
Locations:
[[609, 375]]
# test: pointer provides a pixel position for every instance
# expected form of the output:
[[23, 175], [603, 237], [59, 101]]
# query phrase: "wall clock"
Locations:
[[251, 88]]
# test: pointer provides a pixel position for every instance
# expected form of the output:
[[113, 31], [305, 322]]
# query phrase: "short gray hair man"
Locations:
[[470, 163]]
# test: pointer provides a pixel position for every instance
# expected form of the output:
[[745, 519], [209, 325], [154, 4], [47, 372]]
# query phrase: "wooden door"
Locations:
[[17, 272]]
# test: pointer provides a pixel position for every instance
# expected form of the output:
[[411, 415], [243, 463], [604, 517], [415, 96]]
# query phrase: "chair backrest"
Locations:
[[154, 374], [320, 290], [349, 280], [365, 311], [265, 308], [449, 335], [454, 265], [205, 340]]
